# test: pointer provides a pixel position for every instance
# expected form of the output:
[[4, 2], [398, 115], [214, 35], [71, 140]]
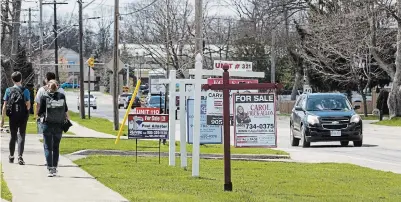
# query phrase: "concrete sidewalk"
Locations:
[[81, 131], [29, 183]]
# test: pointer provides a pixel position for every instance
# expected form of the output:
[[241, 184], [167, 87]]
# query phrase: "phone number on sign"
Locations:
[[259, 126]]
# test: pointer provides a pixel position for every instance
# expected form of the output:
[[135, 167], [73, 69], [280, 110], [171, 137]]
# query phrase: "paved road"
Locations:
[[381, 149]]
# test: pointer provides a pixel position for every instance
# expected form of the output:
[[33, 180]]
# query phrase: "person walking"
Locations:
[[16, 106], [53, 114], [42, 90]]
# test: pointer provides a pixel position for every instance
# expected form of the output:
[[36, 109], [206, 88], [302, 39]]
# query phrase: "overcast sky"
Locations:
[[70, 10]]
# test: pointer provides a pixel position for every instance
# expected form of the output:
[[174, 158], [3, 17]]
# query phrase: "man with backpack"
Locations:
[[16, 106]]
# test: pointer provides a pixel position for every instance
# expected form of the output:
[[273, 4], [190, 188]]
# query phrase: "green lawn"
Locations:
[[98, 124], [392, 122], [252, 181], [5, 192], [70, 145]]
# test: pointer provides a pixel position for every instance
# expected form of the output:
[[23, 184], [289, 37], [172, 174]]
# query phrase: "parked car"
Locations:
[[69, 85], [122, 99], [92, 100], [323, 117], [156, 101], [137, 102]]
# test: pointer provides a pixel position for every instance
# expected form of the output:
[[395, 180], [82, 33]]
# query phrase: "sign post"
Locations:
[[226, 87], [172, 82]]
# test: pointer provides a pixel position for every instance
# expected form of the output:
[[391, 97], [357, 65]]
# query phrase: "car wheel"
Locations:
[[294, 141], [125, 106], [358, 143], [94, 107], [305, 143], [344, 143]]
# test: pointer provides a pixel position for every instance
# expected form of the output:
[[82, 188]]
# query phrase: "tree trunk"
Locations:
[[394, 98], [297, 82]]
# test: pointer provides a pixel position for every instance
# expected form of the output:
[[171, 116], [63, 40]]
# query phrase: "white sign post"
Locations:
[[172, 82], [183, 94], [199, 73]]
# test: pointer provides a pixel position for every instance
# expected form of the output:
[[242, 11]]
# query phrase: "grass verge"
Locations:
[[98, 124], [70, 145], [252, 181], [393, 122], [5, 192]]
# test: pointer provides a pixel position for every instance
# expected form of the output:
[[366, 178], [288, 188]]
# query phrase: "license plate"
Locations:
[[335, 133]]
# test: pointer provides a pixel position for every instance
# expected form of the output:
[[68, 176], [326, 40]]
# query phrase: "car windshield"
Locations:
[[86, 96], [328, 103], [156, 100]]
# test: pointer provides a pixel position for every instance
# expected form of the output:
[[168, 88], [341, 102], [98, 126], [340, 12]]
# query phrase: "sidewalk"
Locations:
[[81, 131], [29, 183]]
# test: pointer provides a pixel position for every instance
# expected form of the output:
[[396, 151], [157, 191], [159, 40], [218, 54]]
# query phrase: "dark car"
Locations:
[[324, 117], [137, 102]]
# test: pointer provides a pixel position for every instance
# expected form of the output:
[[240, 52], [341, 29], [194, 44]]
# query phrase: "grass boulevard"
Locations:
[[147, 180], [252, 181]]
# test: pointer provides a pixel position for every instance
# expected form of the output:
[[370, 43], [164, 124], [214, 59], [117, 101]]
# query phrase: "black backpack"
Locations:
[[16, 108], [55, 109]]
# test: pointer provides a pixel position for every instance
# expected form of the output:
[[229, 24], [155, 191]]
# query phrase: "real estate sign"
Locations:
[[255, 120]]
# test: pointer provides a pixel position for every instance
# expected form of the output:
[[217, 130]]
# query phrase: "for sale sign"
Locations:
[[147, 126], [215, 98], [254, 120], [209, 133]]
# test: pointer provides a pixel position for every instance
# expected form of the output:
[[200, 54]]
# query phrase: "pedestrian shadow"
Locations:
[[77, 177], [44, 165]]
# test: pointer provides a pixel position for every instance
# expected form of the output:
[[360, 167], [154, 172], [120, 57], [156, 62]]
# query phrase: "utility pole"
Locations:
[[41, 40], [55, 38], [198, 27], [273, 58], [29, 35], [81, 64], [166, 94], [115, 66]]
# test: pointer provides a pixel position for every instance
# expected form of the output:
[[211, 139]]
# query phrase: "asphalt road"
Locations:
[[381, 149]]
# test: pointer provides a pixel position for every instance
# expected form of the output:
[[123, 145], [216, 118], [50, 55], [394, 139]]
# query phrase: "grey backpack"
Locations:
[[55, 109]]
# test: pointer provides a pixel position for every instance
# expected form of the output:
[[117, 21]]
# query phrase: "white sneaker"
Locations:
[[55, 172], [50, 174]]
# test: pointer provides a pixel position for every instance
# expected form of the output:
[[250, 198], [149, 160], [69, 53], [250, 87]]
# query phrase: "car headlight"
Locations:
[[355, 118], [312, 120]]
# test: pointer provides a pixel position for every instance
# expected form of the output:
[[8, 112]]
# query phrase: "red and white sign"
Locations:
[[147, 126], [231, 81], [146, 110], [234, 65]]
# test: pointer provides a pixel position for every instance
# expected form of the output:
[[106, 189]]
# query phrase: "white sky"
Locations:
[[216, 7]]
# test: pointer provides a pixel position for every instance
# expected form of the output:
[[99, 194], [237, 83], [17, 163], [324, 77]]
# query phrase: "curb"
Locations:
[[248, 157]]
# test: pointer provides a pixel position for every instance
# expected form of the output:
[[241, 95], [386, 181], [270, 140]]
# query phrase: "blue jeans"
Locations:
[[51, 138]]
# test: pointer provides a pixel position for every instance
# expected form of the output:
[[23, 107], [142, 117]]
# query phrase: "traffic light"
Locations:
[[91, 62]]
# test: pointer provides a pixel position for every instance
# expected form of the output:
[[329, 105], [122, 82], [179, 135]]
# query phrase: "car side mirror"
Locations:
[[356, 107], [298, 108]]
